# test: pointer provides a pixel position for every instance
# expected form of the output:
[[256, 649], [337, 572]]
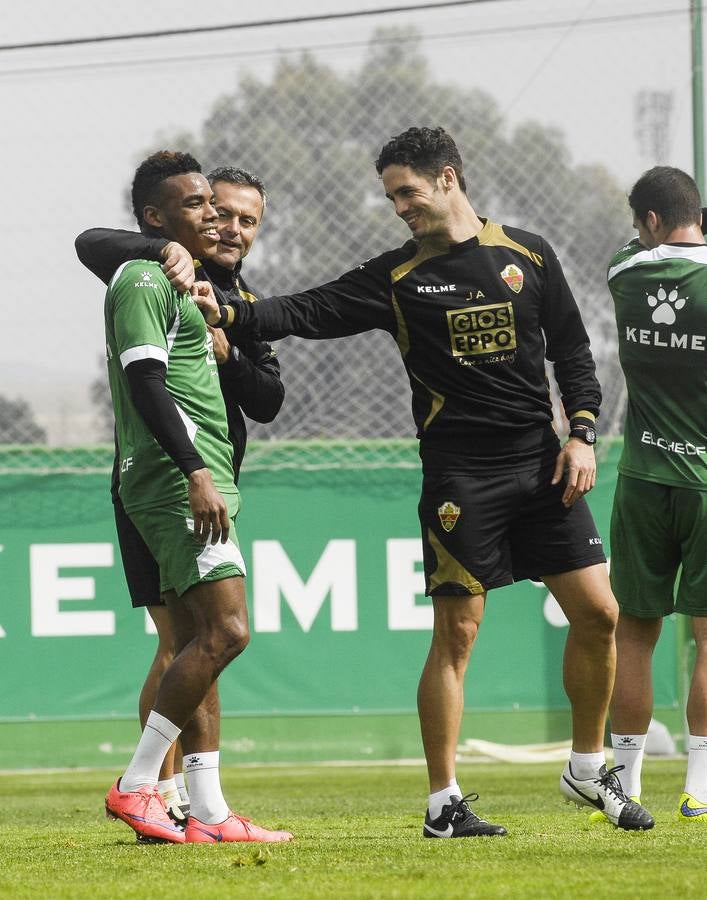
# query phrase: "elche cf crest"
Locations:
[[513, 276], [448, 514]]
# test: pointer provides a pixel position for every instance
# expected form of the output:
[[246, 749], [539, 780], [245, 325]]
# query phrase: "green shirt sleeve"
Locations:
[[144, 311]]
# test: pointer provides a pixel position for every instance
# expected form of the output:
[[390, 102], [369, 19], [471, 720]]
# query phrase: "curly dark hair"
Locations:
[[425, 150], [149, 175], [669, 192]]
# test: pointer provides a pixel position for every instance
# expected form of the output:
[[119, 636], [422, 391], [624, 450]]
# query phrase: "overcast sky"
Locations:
[[75, 119]]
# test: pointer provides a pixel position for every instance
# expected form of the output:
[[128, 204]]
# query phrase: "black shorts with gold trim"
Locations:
[[482, 530]]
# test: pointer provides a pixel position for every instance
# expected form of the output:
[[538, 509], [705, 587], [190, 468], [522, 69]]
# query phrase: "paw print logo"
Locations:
[[664, 305]]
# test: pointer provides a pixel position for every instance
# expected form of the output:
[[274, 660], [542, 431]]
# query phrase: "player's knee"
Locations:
[[603, 617], [223, 642], [458, 639], [236, 637]]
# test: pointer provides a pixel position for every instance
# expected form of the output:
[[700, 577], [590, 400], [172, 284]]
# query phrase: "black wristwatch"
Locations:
[[584, 433]]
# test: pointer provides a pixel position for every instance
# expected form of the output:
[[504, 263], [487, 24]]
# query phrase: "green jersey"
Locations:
[[146, 318], [660, 297]]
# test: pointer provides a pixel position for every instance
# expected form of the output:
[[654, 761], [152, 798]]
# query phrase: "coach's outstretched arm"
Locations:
[[358, 301], [102, 250]]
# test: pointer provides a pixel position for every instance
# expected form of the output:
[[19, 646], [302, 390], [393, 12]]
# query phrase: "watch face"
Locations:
[[588, 435]]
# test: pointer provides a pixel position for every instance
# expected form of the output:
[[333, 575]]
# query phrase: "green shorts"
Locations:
[[169, 534], [655, 529]]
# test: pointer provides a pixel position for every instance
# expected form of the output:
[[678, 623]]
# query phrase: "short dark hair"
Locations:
[[150, 174], [669, 192], [426, 150], [239, 176]]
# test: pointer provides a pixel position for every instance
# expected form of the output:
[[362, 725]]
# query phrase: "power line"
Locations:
[[264, 23], [475, 33]]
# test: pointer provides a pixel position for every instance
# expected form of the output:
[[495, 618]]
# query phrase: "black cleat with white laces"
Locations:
[[604, 792], [457, 820]]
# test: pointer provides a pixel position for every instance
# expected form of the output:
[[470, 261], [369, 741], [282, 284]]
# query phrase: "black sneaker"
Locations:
[[457, 820]]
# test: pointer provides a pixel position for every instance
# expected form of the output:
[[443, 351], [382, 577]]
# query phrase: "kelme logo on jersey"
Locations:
[[513, 276], [448, 514], [146, 281], [664, 305], [478, 330]]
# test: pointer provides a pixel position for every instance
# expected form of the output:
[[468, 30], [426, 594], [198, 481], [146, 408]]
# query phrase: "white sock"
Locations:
[[586, 765], [181, 787], [208, 804], [628, 752], [696, 781], [156, 739], [169, 790], [439, 799]]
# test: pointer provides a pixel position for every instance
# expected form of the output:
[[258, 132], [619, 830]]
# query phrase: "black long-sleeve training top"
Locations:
[[474, 323]]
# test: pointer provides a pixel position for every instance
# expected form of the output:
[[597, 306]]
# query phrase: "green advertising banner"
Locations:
[[339, 620]]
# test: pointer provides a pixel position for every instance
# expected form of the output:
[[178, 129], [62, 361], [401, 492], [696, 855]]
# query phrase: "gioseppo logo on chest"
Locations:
[[482, 329]]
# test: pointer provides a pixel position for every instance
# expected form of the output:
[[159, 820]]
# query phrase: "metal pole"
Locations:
[[685, 642], [698, 138]]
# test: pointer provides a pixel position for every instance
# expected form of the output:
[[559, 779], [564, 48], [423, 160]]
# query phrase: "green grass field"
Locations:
[[358, 835]]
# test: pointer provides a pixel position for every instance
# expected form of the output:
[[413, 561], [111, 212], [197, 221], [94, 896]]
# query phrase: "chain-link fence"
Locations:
[[311, 128]]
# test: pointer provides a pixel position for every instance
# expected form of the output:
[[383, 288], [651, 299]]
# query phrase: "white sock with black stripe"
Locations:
[[208, 804]]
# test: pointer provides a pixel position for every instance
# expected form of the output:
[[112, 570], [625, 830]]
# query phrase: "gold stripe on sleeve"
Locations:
[[425, 252], [493, 235], [402, 337], [583, 414]]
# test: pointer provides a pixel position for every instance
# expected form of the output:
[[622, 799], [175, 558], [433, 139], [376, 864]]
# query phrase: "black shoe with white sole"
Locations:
[[604, 792], [457, 820]]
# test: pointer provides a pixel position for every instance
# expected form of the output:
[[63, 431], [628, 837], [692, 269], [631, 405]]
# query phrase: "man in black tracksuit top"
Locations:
[[475, 309], [249, 376]]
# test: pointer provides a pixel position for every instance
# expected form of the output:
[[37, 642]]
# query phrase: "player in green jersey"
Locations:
[[177, 485], [659, 521], [250, 383]]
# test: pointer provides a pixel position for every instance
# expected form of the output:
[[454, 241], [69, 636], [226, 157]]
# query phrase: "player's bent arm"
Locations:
[[567, 341], [148, 391], [102, 250]]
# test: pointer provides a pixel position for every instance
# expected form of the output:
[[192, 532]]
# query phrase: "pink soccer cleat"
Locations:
[[144, 811], [234, 828]]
